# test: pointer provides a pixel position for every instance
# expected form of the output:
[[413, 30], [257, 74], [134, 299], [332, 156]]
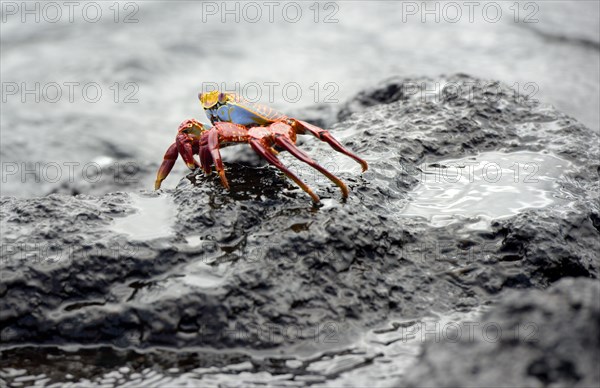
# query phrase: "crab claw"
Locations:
[[189, 134], [184, 147]]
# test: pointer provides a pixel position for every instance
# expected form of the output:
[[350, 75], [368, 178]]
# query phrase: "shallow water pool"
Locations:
[[488, 186]]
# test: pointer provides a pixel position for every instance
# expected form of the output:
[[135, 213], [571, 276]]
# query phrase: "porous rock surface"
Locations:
[[262, 256], [540, 338]]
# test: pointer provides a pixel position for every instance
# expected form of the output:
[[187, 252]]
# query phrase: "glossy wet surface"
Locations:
[[154, 218], [256, 286], [377, 358], [204, 255], [491, 185]]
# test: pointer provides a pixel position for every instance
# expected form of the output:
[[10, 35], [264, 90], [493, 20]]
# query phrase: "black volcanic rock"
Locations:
[[540, 338], [243, 267]]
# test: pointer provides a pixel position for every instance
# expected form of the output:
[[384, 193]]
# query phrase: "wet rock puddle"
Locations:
[[491, 185], [377, 358], [154, 218]]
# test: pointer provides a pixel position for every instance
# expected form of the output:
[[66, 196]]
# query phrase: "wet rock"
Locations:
[[537, 338], [260, 267], [109, 177]]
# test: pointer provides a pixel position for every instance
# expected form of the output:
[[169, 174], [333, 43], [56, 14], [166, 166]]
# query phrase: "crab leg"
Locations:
[[325, 136], [213, 148], [167, 165], [221, 133], [258, 144], [206, 160], [284, 142]]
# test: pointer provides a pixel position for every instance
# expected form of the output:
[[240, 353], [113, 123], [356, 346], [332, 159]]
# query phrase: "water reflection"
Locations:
[[154, 218], [488, 186]]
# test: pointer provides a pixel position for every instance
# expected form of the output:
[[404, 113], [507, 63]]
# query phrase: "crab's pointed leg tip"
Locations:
[[224, 179], [315, 198], [159, 180]]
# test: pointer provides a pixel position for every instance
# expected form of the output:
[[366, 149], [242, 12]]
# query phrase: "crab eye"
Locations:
[[210, 99]]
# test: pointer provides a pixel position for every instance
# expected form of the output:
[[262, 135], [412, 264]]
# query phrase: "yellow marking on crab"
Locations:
[[210, 99]]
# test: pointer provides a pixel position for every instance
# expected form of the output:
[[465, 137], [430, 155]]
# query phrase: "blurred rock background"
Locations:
[[148, 60]]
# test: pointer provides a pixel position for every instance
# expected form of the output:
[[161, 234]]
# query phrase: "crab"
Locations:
[[236, 120]]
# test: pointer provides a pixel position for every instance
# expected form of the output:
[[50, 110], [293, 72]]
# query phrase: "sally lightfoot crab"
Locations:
[[238, 121]]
